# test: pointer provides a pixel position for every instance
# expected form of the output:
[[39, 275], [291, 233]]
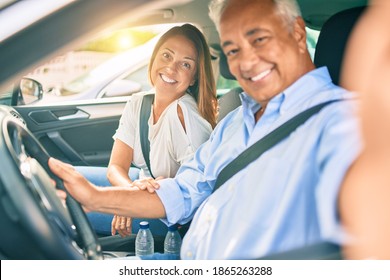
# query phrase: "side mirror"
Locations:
[[29, 91]]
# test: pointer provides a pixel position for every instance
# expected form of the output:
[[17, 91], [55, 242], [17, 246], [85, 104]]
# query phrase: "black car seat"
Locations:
[[231, 99], [333, 39]]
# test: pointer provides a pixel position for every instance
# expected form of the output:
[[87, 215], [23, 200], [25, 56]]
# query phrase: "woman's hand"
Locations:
[[149, 184], [122, 225]]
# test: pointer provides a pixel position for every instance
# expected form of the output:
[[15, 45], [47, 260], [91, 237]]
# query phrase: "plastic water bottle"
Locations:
[[144, 242], [172, 242]]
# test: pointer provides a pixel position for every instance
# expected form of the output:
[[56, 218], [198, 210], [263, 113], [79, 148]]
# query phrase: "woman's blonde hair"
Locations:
[[204, 89]]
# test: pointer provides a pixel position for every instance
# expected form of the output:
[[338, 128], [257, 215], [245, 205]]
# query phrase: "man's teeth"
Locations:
[[261, 75], [167, 80]]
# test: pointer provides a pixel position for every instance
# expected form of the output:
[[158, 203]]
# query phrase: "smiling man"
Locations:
[[285, 198], [266, 51]]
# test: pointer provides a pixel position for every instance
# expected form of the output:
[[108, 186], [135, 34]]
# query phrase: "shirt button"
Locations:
[[189, 254], [231, 187]]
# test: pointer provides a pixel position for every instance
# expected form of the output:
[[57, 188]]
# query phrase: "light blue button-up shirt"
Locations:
[[287, 198]]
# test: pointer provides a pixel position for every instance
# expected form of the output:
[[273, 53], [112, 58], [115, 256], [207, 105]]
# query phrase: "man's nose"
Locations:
[[248, 59]]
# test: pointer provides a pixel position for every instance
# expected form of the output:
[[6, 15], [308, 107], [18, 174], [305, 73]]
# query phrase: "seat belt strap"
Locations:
[[146, 105], [274, 137]]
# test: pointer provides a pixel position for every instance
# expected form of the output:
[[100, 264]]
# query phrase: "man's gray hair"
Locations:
[[288, 9]]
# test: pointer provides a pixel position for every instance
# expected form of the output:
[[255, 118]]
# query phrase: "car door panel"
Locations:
[[80, 134]]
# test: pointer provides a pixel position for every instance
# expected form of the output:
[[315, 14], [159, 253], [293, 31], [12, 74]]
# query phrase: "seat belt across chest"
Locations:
[[146, 106], [274, 137]]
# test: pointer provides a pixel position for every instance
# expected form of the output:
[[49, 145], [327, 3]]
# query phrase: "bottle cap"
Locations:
[[172, 227], [144, 224]]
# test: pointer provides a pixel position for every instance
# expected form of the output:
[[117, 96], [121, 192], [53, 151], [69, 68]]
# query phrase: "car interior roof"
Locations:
[[314, 12]]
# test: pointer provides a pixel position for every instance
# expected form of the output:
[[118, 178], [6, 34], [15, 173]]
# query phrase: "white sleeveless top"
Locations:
[[170, 145]]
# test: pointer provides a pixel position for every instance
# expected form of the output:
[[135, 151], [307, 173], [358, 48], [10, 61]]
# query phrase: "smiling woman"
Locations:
[[182, 113]]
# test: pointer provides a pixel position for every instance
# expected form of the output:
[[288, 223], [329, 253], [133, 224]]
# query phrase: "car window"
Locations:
[[94, 70], [311, 39], [5, 97], [137, 79], [224, 85], [141, 76]]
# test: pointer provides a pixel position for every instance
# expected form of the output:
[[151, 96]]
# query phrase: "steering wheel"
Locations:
[[59, 232]]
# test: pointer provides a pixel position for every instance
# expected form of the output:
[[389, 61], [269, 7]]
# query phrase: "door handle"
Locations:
[[78, 115]]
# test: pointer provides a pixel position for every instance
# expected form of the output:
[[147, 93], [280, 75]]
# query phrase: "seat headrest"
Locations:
[[332, 40]]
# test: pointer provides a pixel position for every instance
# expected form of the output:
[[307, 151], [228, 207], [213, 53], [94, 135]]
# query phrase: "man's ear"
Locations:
[[300, 34]]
